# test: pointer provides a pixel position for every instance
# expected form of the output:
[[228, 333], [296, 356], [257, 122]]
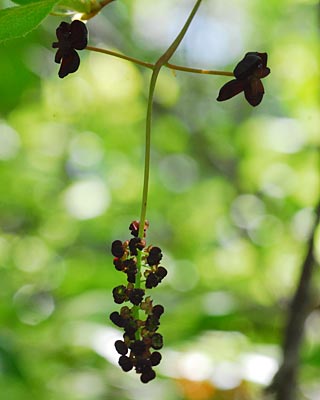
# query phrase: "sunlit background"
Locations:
[[231, 201]]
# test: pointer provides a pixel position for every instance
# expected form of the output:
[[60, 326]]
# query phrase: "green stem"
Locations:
[[157, 67], [119, 55], [151, 66]]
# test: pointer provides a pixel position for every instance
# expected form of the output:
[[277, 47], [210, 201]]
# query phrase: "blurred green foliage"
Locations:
[[231, 197]]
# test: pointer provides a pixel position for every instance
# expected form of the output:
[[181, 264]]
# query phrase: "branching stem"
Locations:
[[151, 66]]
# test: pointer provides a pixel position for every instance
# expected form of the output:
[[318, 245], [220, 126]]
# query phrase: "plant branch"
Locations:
[[156, 70], [151, 66], [284, 384]]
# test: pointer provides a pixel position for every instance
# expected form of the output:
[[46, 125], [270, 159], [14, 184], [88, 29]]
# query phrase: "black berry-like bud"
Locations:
[[136, 296], [117, 319], [151, 281], [155, 358], [125, 363], [118, 264], [147, 376], [161, 273], [154, 256], [134, 244], [121, 347], [131, 277], [142, 365], [120, 294], [157, 341], [152, 323], [138, 347], [117, 248], [157, 310]]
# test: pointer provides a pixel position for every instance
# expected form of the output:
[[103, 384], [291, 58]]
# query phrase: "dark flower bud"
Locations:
[[247, 66], [143, 365], [154, 256], [125, 363], [147, 376], [130, 327], [118, 264], [70, 37], [134, 228], [136, 296], [157, 310], [131, 277], [138, 347], [248, 73], [157, 341], [134, 244], [155, 358], [117, 319], [121, 347], [152, 281], [120, 294], [130, 265], [152, 323], [161, 272], [117, 249]]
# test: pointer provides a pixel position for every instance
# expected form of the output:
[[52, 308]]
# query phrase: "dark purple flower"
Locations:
[[248, 73], [71, 37]]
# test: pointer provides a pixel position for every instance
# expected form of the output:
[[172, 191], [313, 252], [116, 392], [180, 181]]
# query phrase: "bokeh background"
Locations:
[[231, 201]]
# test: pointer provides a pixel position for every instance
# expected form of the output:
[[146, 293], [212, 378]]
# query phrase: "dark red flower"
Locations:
[[248, 73], [71, 37]]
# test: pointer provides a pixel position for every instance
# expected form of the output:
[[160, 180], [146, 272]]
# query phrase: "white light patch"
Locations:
[[227, 376], [103, 340], [195, 366], [33, 306], [9, 142], [284, 135], [178, 172], [87, 199], [259, 368], [218, 303]]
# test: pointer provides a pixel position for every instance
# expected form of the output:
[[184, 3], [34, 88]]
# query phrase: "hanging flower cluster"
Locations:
[[140, 343]]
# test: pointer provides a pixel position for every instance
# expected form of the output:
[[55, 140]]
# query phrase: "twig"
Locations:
[[284, 384]]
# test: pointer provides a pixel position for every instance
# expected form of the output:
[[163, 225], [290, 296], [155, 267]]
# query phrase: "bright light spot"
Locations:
[[313, 327], [195, 366], [267, 230], [302, 223], [31, 254], [259, 368], [102, 342], [284, 135], [278, 180], [9, 142], [86, 149], [33, 306], [218, 303], [183, 275], [178, 172], [79, 384], [87, 199], [227, 375], [246, 209]]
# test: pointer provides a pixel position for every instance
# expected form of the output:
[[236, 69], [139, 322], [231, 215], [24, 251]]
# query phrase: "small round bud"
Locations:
[[157, 341], [147, 376], [117, 248], [125, 363], [121, 347], [155, 358]]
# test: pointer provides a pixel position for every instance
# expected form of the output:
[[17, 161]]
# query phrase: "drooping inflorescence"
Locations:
[[140, 343]]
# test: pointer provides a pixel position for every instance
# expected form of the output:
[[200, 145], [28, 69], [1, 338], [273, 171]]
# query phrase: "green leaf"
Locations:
[[18, 21]]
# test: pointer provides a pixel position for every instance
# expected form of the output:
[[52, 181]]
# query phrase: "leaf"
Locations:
[[18, 21]]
